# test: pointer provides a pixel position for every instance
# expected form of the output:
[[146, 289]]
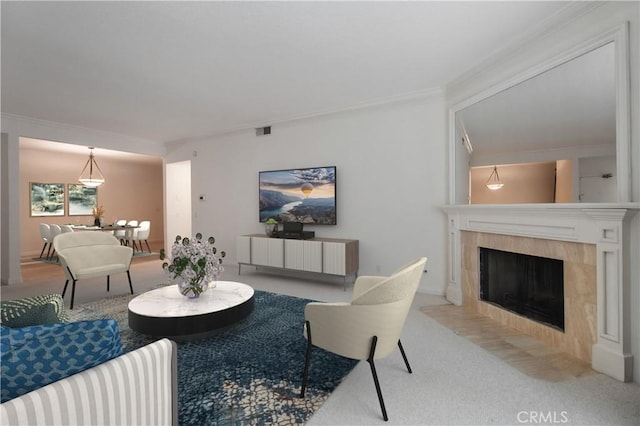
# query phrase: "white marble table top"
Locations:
[[168, 302]]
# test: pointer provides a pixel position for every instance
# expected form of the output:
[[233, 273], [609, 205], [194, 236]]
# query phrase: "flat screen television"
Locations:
[[298, 195]]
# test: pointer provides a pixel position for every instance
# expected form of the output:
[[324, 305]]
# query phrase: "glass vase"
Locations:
[[192, 290]]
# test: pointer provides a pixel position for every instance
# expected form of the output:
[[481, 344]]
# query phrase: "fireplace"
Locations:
[[531, 286], [593, 241]]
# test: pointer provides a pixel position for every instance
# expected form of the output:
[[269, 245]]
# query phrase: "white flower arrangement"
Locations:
[[194, 263]]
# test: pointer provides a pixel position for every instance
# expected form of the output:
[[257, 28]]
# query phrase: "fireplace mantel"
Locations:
[[606, 225]]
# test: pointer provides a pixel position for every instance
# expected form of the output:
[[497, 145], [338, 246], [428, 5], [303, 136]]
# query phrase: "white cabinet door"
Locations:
[[303, 255], [334, 258], [276, 252], [243, 249], [294, 254], [267, 252], [313, 256], [260, 251]]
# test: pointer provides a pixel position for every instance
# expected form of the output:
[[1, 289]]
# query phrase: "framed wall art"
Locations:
[[81, 199], [47, 199]]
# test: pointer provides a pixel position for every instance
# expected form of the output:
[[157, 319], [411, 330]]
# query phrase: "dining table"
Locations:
[[108, 228]]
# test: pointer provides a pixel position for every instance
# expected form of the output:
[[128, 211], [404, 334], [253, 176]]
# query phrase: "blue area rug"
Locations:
[[248, 374]]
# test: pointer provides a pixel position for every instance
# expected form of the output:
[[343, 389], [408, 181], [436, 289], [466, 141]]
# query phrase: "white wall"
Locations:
[[391, 182]]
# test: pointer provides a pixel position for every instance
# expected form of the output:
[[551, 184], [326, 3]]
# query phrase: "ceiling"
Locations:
[[176, 71]]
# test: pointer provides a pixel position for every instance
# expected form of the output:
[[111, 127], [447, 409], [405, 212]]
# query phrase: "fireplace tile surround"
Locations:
[[593, 242], [579, 288]]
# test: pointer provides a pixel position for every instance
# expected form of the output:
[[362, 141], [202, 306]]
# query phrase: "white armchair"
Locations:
[[91, 254], [369, 327]]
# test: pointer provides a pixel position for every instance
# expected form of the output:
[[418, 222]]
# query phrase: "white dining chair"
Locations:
[[66, 228], [45, 234], [55, 231], [142, 234], [129, 233], [120, 234]]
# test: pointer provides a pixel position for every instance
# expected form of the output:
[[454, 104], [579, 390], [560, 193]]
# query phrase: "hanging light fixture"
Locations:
[[493, 183], [92, 177]]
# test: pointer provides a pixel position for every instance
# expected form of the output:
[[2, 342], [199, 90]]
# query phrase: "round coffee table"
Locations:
[[164, 312]]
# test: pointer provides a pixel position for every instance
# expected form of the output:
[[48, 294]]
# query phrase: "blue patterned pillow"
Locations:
[[32, 357]]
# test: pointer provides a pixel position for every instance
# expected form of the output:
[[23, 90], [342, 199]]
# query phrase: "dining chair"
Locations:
[[367, 328], [45, 234], [55, 231], [129, 234], [66, 228], [142, 234], [120, 234]]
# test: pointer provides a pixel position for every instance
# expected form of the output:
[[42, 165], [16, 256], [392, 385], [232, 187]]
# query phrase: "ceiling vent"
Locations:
[[263, 131]]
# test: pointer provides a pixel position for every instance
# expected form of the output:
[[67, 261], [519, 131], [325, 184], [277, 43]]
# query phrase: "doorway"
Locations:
[[178, 201]]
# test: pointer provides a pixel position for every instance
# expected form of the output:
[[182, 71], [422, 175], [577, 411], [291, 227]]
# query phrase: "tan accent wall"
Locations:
[[579, 289], [132, 190], [523, 183]]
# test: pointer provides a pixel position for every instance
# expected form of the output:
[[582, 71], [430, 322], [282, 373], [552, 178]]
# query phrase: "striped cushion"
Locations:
[[36, 310], [137, 388], [35, 356]]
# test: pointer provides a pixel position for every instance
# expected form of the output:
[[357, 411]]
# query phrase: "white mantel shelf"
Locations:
[[564, 222], [606, 225]]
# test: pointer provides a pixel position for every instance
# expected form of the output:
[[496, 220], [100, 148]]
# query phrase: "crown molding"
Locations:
[[371, 103]]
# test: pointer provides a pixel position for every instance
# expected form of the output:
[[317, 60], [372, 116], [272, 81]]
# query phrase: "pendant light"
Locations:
[[92, 177], [493, 183]]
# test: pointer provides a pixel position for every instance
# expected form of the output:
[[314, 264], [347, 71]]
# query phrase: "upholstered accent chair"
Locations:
[[369, 327], [89, 254]]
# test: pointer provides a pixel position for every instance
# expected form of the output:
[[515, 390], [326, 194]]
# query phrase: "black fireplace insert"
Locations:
[[528, 285]]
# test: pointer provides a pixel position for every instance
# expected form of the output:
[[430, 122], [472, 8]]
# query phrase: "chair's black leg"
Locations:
[[372, 352], [64, 290], [307, 360], [43, 247], [48, 250], [130, 285], [73, 293], [404, 356], [108, 281], [147, 243]]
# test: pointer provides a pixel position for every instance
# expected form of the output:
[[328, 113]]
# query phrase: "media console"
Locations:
[[328, 256]]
